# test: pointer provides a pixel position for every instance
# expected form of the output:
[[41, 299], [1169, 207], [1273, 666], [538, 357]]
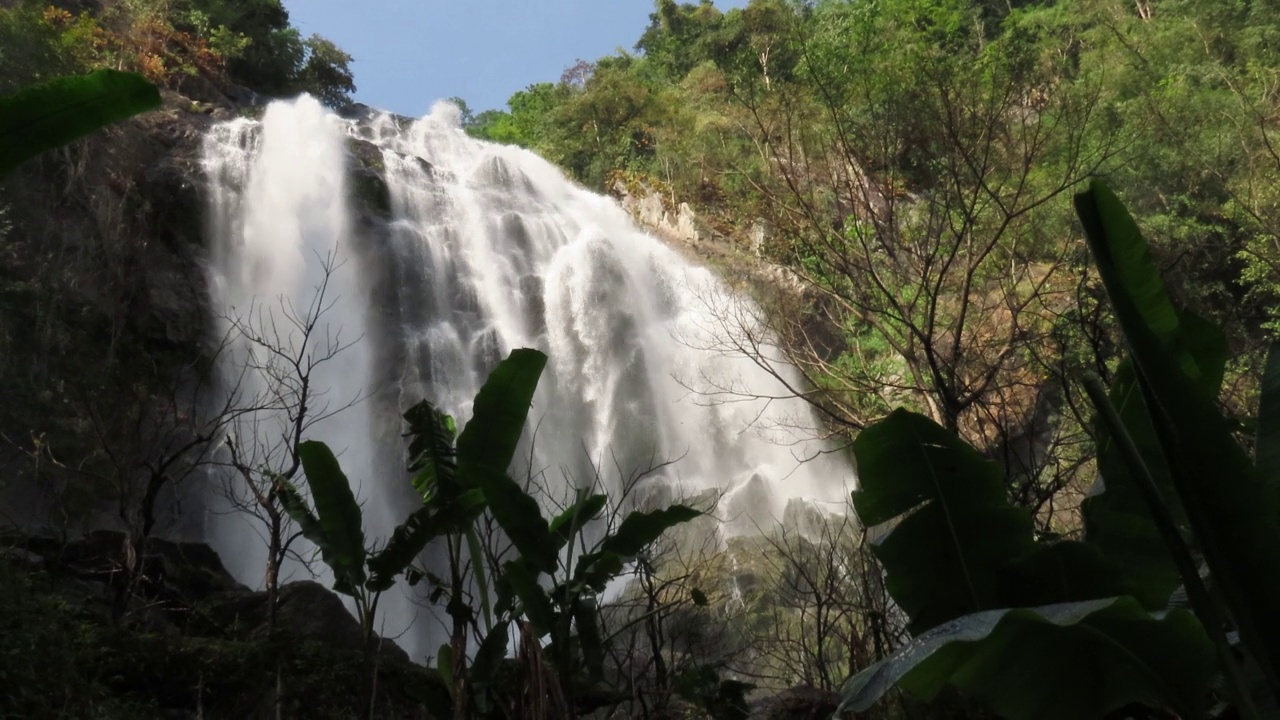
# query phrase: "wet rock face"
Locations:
[[105, 239]]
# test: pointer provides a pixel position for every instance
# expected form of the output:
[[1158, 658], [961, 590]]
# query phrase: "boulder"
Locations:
[[308, 612], [797, 703]]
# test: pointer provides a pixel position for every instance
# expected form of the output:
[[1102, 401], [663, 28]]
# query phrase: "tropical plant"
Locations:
[[459, 481], [1081, 628]]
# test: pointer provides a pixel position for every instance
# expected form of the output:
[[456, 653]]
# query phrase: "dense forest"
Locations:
[[1060, 400]]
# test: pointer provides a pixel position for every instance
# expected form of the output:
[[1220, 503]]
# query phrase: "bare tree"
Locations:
[[826, 612], [274, 377]]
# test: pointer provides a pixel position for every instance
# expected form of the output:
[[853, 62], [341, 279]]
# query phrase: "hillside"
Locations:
[[912, 164]]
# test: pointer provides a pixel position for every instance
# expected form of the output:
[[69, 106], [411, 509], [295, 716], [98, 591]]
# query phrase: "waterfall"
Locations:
[[482, 249]]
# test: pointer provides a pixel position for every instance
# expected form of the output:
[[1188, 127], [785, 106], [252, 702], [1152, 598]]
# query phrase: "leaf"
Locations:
[[338, 512], [51, 114], [586, 619], [444, 662], [595, 569], [433, 459], [500, 409], [407, 541], [575, 517], [1063, 571], [296, 506], [1057, 662], [537, 606], [639, 530], [491, 652], [950, 527], [1116, 520], [1267, 443], [478, 572], [1232, 510], [421, 527], [1116, 517], [488, 444]]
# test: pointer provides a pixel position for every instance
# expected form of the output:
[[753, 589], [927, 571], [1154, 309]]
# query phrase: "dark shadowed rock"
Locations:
[[308, 612], [797, 703]]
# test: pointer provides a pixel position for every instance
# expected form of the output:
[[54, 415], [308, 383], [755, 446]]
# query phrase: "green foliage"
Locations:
[[566, 611], [957, 553], [1231, 508], [458, 483], [1065, 662], [52, 114], [488, 444], [336, 527], [326, 72], [169, 40], [1206, 491], [637, 531], [31, 49], [527, 120], [922, 146], [955, 528]]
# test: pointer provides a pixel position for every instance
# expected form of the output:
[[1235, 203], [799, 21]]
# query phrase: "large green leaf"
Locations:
[[444, 663], [1116, 519], [638, 531], [1063, 571], [45, 116], [1115, 516], [341, 539], [1232, 510], [421, 527], [1267, 443], [479, 572], [432, 457], [488, 444], [945, 525], [586, 618], [1059, 662], [490, 654], [574, 517], [298, 510], [523, 581]]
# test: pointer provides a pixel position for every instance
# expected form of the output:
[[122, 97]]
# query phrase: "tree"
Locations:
[[281, 351], [326, 72], [909, 191]]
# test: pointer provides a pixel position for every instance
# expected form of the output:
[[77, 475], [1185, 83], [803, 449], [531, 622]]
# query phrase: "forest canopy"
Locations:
[[171, 43]]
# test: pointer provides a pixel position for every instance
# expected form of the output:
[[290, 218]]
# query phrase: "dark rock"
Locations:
[[177, 573], [797, 703], [308, 612], [21, 558]]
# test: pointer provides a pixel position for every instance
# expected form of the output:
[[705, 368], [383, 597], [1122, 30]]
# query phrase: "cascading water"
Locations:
[[489, 248]]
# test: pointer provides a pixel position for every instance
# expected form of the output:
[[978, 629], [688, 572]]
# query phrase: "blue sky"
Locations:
[[410, 53]]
